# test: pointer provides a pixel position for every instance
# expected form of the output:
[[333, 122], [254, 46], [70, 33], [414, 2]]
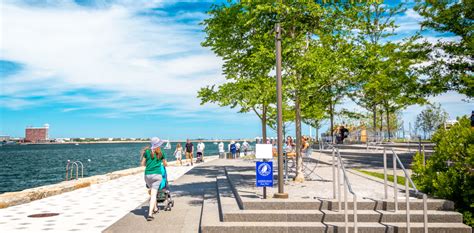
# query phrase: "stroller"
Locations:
[[199, 158], [163, 194]]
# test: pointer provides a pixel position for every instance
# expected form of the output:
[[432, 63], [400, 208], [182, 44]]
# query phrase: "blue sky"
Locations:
[[126, 69]]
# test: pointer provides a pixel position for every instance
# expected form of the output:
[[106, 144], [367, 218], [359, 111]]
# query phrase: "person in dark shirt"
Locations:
[[189, 151], [343, 133]]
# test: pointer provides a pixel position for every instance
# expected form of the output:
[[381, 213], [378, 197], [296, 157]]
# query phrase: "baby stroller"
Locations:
[[164, 194], [199, 158]]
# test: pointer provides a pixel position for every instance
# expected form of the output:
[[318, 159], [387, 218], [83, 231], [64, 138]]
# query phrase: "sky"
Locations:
[[129, 68]]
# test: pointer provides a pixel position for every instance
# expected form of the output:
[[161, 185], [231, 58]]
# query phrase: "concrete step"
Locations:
[[211, 221], [317, 227], [333, 216], [273, 204]]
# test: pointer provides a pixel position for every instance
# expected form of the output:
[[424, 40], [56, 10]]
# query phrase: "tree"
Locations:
[[385, 69], [431, 119], [452, 61], [248, 60]]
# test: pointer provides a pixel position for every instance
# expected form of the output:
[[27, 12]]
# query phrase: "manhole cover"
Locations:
[[43, 215]]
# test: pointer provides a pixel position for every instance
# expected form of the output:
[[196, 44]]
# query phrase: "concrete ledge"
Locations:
[[28, 195]]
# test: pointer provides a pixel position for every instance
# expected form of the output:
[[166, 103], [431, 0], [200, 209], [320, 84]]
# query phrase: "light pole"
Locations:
[[281, 193]]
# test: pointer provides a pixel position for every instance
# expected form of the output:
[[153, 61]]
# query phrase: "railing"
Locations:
[[396, 160], [70, 172], [347, 188]]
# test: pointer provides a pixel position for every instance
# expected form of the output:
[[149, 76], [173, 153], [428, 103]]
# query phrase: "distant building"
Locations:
[[37, 134]]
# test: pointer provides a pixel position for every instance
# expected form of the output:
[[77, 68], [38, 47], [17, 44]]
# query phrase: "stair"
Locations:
[[225, 211]]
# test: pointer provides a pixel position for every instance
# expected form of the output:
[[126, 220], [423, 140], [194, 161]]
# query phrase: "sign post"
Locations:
[[264, 169]]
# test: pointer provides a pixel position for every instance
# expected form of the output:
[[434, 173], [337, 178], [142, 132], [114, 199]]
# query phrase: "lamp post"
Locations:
[[280, 193]]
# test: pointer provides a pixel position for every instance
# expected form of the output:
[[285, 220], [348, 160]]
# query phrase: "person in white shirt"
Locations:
[[245, 147], [200, 151], [237, 146], [221, 150]]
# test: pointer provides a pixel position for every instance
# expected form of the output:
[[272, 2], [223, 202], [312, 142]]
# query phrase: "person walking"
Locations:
[[233, 149], [189, 151], [245, 147], [221, 150], [178, 153], [237, 146], [154, 160]]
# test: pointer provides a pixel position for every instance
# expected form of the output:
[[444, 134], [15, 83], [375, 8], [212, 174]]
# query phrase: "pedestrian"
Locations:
[[200, 152], [233, 149], [189, 152], [304, 145], [342, 134], [178, 153], [154, 160], [290, 147], [245, 147], [221, 150], [237, 146]]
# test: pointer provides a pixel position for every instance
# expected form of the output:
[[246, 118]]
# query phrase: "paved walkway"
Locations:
[[90, 209], [187, 193]]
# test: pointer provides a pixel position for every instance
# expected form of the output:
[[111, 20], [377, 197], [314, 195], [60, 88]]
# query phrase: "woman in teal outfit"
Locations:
[[154, 161]]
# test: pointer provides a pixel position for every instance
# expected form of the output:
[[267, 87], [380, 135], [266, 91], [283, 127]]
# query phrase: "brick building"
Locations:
[[37, 134]]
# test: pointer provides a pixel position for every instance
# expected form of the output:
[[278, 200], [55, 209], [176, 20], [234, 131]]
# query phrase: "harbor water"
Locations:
[[29, 166]]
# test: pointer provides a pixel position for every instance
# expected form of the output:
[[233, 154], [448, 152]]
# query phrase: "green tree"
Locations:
[[248, 59], [449, 170], [430, 119], [384, 68], [452, 61]]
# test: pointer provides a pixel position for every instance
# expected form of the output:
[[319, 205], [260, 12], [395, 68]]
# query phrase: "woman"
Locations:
[[154, 161], [290, 147], [304, 145], [178, 153]]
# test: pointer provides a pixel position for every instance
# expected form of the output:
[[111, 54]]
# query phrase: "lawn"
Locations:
[[400, 179]]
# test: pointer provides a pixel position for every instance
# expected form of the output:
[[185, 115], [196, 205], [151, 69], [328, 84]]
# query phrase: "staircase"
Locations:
[[224, 210]]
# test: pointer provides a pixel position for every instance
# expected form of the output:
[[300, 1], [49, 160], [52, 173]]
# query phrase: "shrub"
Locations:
[[449, 172]]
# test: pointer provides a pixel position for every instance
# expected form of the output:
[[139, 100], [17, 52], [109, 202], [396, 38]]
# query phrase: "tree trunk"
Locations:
[[331, 115], [381, 124], [264, 124], [388, 123], [375, 122], [299, 160]]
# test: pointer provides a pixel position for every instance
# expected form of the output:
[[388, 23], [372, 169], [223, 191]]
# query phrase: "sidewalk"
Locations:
[[90, 209], [185, 216]]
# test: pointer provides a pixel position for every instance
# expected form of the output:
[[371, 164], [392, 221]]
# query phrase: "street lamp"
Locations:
[[280, 193]]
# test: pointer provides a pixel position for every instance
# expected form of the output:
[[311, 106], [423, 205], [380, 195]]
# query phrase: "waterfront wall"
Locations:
[[28, 195]]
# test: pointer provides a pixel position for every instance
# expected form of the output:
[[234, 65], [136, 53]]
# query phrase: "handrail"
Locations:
[[82, 168], [347, 188], [396, 160], [70, 172]]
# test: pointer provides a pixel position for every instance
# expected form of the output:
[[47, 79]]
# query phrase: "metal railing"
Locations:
[[69, 173], [408, 180], [347, 188]]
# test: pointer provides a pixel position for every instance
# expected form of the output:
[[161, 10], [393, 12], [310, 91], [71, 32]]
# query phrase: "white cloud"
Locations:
[[109, 50]]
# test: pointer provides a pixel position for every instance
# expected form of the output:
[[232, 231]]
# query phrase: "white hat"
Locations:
[[156, 142]]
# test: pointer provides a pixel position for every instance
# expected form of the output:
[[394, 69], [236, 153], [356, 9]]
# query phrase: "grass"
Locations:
[[400, 179]]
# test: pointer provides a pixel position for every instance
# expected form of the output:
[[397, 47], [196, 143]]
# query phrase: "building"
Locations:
[[37, 134]]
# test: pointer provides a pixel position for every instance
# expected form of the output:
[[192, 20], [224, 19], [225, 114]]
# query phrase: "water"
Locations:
[[28, 166]]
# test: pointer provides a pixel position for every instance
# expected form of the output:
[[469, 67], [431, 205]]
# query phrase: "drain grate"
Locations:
[[43, 215]]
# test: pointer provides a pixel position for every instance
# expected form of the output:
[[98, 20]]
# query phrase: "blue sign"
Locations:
[[264, 171]]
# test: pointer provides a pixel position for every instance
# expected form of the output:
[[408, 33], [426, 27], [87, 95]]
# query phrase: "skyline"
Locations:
[[129, 69]]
